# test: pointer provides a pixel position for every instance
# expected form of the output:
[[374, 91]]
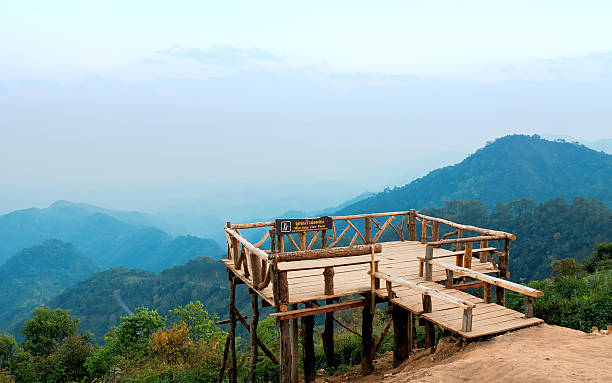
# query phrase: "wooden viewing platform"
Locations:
[[330, 260]]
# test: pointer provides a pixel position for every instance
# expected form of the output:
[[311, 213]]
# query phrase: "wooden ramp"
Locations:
[[487, 318]]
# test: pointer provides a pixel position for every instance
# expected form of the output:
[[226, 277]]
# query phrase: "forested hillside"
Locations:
[[545, 232], [35, 275], [95, 300], [105, 239], [510, 168]]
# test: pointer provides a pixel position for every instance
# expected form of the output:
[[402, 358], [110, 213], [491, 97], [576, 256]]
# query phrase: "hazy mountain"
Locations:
[[99, 300], [35, 275], [507, 169], [104, 238]]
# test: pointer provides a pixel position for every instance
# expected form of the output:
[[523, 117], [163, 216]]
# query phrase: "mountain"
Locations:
[[98, 234], [507, 169], [35, 275], [100, 300]]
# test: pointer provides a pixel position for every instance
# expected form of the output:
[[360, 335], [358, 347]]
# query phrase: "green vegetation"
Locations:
[[95, 299], [35, 275], [510, 168], [578, 295]]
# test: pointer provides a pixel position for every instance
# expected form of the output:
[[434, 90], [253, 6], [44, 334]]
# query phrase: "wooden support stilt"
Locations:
[[401, 346], [428, 267], [412, 226], [225, 355], [233, 370], [261, 345], [528, 306], [253, 336], [487, 293], [367, 341], [308, 356], [294, 336], [412, 335], [430, 336], [328, 337]]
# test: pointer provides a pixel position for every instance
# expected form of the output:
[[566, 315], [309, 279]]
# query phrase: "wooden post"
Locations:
[[459, 235], [449, 279], [424, 231], [412, 225], [487, 292], [401, 235], [308, 355], [253, 334], [233, 370], [323, 239], [427, 306], [390, 293], [328, 332], [235, 253], [295, 356], [428, 267], [367, 340], [412, 335], [280, 243], [376, 280], [430, 336], [483, 255], [401, 342], [502, 266], [368, 230], [302, 236], [466, 324], [528, 306], [467, 255], [435, 231]]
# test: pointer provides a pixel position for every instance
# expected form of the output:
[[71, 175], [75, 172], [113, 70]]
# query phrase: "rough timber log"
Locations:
[[326, 253]]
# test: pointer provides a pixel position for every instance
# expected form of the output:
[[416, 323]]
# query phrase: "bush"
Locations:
[[7, 349]]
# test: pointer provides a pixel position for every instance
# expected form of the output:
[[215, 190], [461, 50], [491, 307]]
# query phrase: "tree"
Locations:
[[200, 324], [133, 334], [7, 349], [47, 329]]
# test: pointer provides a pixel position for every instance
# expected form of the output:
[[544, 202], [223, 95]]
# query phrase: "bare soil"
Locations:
[[541, 353]]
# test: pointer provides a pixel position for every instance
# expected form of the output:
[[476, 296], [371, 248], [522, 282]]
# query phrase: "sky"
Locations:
[[250, 108]]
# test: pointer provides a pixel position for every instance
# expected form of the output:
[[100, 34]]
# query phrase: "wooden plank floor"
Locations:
[[398, 259]]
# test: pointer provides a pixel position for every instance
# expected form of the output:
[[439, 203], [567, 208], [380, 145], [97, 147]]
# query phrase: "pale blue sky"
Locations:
[[158, 105]]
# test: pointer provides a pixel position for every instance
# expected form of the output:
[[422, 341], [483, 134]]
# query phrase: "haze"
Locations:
[[254, 108]]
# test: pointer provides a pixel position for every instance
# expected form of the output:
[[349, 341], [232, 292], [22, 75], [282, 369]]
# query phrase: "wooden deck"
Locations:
[[399, 259]]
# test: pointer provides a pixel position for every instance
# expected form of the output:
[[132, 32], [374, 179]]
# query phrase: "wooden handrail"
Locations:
[[466, 239], [489, 279], [248, 245], [425, 290], [469, 228], [326, 253]]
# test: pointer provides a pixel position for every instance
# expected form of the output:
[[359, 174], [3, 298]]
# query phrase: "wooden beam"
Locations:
[[425, 290], [469, 228], [489, 279], [326, 253], [319, 310], [428, 258], [383, 334], [260, 253], [467, 256]]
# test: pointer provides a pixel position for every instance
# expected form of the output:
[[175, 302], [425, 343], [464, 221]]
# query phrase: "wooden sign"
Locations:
[[288, 226]]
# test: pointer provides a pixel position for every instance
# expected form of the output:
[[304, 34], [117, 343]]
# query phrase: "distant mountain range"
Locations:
[[35, 275], [507, 169], [109, 238]]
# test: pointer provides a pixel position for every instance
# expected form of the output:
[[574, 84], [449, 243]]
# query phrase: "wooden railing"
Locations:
[[427, 293]]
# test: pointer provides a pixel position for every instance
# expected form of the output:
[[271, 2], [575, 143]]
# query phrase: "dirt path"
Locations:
[[537, 354]]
